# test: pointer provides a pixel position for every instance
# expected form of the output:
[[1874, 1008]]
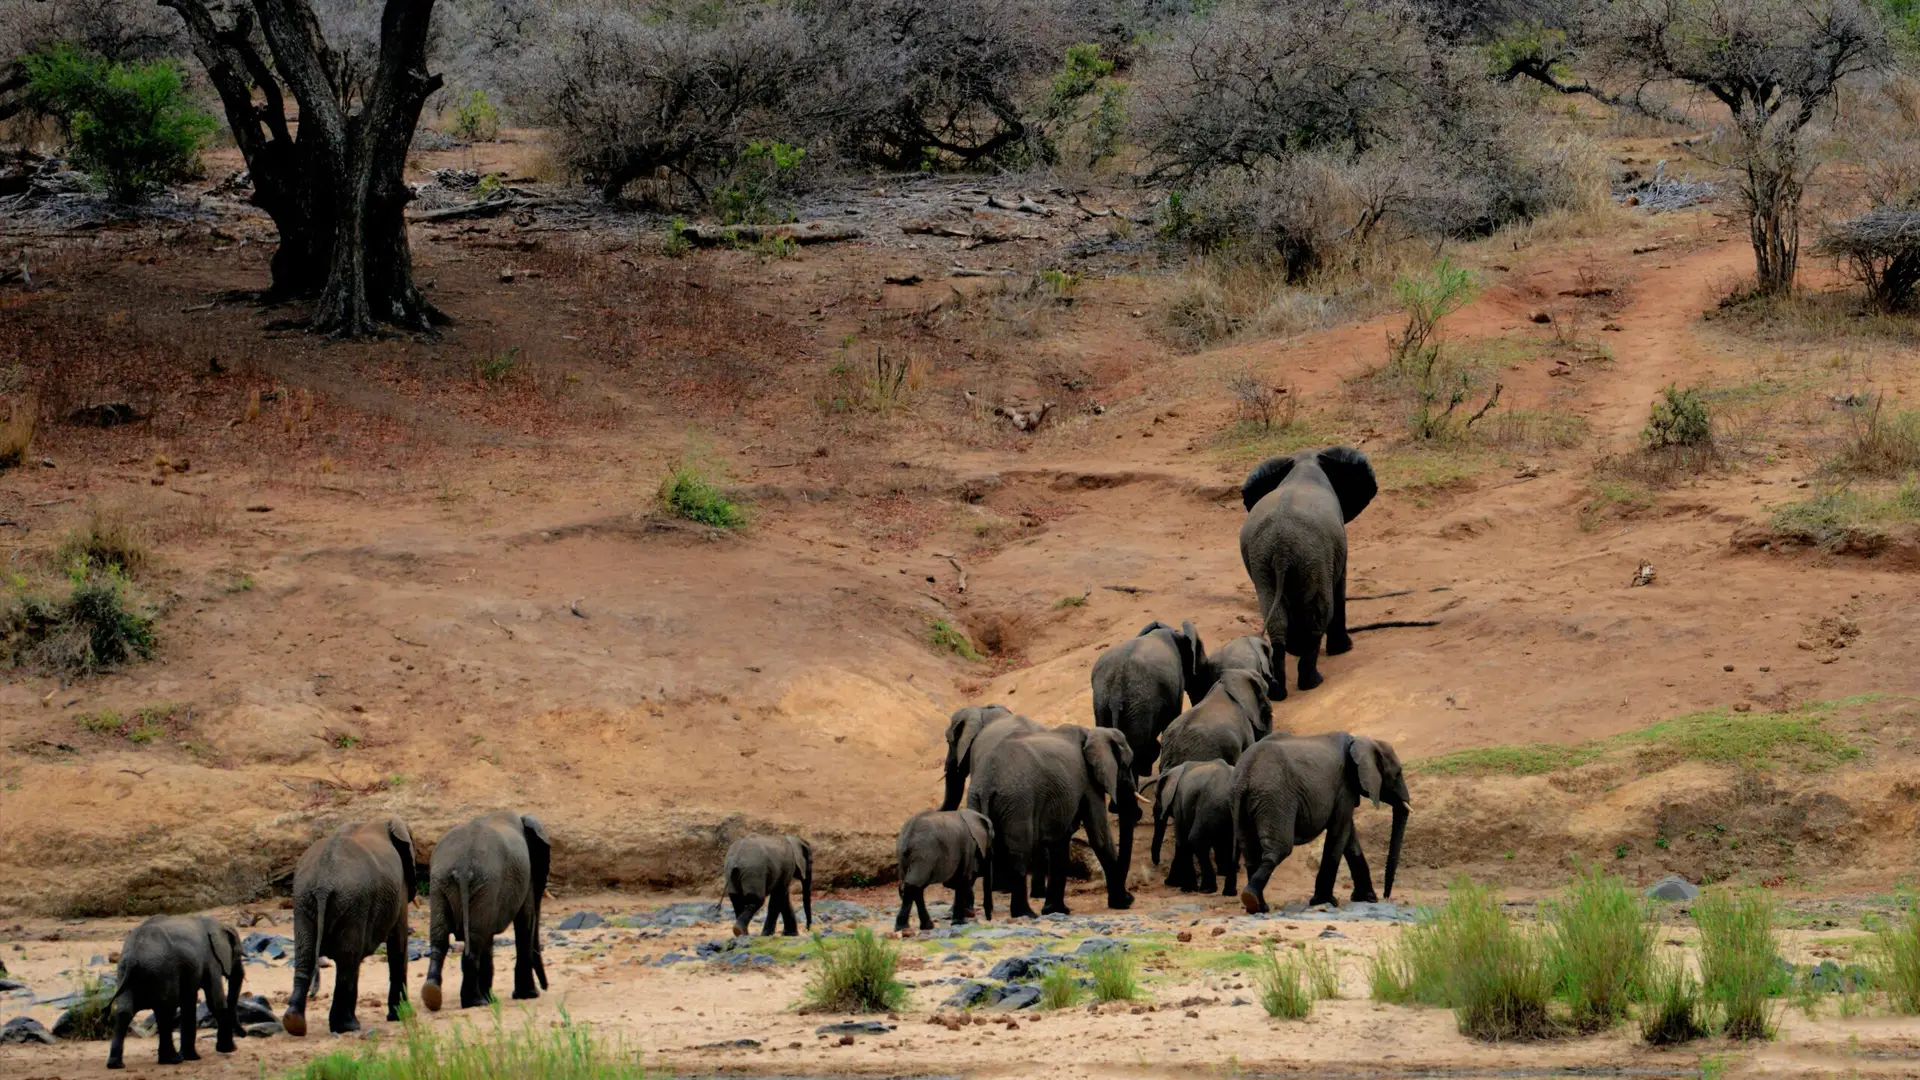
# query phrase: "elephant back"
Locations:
[[758, 866]]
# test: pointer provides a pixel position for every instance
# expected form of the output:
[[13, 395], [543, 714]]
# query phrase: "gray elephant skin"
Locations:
[[1038, 788], [1289, 789], [1233, 716], [166, 963], [944, 847], [1294, 545], [1198, 797], [972, 733], [350, 896], [485, 876], [762, 869], [1138, 684], [1251, 653]]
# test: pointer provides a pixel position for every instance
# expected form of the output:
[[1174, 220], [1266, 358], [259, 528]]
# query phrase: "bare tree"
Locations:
[[333, 184]]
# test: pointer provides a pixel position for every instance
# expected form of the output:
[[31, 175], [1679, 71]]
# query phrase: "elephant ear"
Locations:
[[1193, 655], [402, 838], [1169, 784], [1151, 627], [224, 941], [1352, 478], [1264, 478], [1102, 762], [981, 829], [1247, 690], [539, 852], [1365, 755], [967, 724]]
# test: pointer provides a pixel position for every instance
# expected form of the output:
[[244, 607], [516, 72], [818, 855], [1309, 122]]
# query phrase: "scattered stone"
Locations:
[[1673, 887], [1218, 930], [854, 1027], [680, 915], [272, 946], [1184, 935], [1100, 944], [846, 1040], [262, 1030], [673, 958], [1022, 967], [582, 920], [418, 949], [1016, 996], [255, 1009], [25, 1029], [838, 911], [953, 958], [1541, 317], [1643, 576], [731, 1044], [968, 996], [8, 986], [1239, 1001], [112, 414]]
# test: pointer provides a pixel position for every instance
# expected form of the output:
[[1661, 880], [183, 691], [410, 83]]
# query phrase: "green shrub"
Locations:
[[92, 628], [1060, 988], [131, 125], [1739, 960], [1671, 1011], [688, 493], [1679, 419], [1601, 938], [476, 120], [759, 175], [675, 243], [1897, 948], [948, 638], [562, 1051], [1499, 983], [1286, 990], [1114, 978], [856, 976]]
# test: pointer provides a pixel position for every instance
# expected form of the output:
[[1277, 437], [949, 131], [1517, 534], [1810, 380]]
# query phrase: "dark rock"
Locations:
[[839, 911], [109, 415], [1330, 932], [272, 946], [582, 920], [681, 915], [744, 959], [854, 1027], [731, 1044], [953, 958], [980, 946], [262, 1030], [7, 986], [254, 1009], [418, 949], [25, 1029], [673, 958], [1240, 1001], [1099, 944], [968, 996], [1673, 887], [1016, 996], [1024, 967]]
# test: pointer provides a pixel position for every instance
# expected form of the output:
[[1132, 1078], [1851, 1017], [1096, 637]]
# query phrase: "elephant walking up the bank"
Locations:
[[1289, 789], [488, 875], [1138, 685], [1233, 716]]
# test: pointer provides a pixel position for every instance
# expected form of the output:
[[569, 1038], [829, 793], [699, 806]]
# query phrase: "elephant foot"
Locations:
[[349, 1025], [1311, 679], [527, 994], [1120, 901], [190, 1055], [1363, 898], [1327, 900], [430, 996], [170, 1059], [224, 1046], [116, 1063], [295, 1023], [927, 924], [1253, 902], [899, 925], [1339, 645], [1277, 692], [1056, 909]]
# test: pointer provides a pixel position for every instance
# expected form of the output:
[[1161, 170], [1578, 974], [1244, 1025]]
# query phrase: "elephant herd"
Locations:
[[351, 891], [1234, 789]]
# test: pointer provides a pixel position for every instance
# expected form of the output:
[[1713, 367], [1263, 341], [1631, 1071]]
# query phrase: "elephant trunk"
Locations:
[[956, 782], [1400, 812], [806, 893]]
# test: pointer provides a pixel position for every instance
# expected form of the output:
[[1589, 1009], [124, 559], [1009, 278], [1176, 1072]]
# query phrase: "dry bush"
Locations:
[[1260, 403], [1880, 442], [16, 434]]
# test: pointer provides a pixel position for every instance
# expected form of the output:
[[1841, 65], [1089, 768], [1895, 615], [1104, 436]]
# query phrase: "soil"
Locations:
[[429, 578]]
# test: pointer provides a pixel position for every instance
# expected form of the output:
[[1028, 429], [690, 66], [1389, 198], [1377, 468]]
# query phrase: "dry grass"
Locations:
[[16, 434], [109, 538]]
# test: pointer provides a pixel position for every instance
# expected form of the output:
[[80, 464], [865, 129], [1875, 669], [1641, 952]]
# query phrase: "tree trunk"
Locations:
[[334, 186]]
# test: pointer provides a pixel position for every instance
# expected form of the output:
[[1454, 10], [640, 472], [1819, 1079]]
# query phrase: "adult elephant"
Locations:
[[1233, 716], [1038, 788], [1289, 789], [972, 733], [488, 875], [1294, 545], [350, 896], [1249, 653], [1198, 797], [1138, 684]]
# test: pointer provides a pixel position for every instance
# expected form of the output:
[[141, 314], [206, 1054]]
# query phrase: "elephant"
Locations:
[[1294, 545], [166, 963], [945, 847], [1037, 788], [350, 896], [972, 733], [1252, 652], [1138, 684], [1198, 796], [485, 876], [1289, 789], [1234, 715], [762, 868]]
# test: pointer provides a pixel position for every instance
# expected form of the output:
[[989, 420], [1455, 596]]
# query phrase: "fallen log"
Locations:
[[805, 232]]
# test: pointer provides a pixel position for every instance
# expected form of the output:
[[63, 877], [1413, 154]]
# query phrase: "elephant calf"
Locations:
[[1286, 791], [760, 869], [1138, 684], [1252, 652], [488, 875], [1234, 715], [166, 963], [951, 848], [1198, 796], [350, 896]]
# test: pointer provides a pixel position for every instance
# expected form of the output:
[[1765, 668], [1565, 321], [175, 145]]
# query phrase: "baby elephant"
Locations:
[[488, 875], [944, 847], [1198, 796], [761, 869], [165, 965]]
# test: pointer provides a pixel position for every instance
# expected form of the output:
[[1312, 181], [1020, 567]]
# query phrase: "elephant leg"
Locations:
[[963, 901], [1057, 878], [788, 927], [1310, 676], [1338, 640], [1180, 875], [920, 902], [1260, 868], [1204, 857], [1337, 832], [526, 946], [476, 972], [223, 1016], [1357, 868], [122, 1020], [189, 1022], [906, 906], [1017, 905], [346, 994], [397, 970], [1093, 814], [1125, 856], [1227, 861], [164, 1016]]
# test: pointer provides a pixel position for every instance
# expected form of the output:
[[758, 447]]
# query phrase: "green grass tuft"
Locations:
[[1061, 988], [1897, 952], [1534, 759], [1114, 977], [1848, 518], [562, 1051], [688, 493], [856, 975], [1499, 983], [92, 628], [90, 1014], [1286, 988], [1739, 960], [945, 637], [1599, 947], [1670, 1014]]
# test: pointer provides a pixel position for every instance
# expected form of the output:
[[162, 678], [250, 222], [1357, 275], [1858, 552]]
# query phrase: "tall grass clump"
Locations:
[[109, 539], [90, 1017], [16, 433], [1599, 946], [1114, 978], [1499, 983], [856, 976], [1670, 1014], [1739, 959], [1897, 945], [563, 1051], [688, 493], [1060, 988], [1286, 989]]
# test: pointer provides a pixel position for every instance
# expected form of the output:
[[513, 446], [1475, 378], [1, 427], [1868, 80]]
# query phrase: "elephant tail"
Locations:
[[466, 917], [311, 957]]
